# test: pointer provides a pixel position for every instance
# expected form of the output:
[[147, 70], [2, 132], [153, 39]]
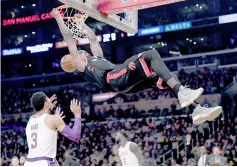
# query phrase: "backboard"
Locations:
[[120, 6], [106, 11]]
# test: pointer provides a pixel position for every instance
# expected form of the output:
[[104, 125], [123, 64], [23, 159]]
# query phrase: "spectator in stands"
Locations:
[[191, 162], [173, 162], [113, 157], [70, 160], [22, 160], [217, 159], [185, 161], [235, 101], [204, 158], [149, 161], [173, 107], [181, 156], [228, 154], [111, 111], [15, 161], [97, 135]]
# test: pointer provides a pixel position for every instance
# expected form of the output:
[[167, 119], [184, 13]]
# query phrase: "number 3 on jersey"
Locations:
[[124, 161], [34, 140]]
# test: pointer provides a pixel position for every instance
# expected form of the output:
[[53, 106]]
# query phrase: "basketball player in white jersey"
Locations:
[[129, 153], [42, 130]]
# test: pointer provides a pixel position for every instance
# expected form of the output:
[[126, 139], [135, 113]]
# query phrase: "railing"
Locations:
[[180, 149], [197, 55], [163, 157]]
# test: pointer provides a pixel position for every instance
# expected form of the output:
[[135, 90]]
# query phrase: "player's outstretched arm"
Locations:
[[94, 44], [77, 61], [71, 133], [138, 152]]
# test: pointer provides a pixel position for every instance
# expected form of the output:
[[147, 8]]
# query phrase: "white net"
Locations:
[[74, 19]]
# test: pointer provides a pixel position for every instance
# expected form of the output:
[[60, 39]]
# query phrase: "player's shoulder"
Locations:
[[52, 121], [53, 118], [133, 146], [132, 143], [35, 117]]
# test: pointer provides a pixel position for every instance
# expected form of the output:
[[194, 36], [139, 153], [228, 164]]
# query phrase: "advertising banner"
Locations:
[[178, 26]]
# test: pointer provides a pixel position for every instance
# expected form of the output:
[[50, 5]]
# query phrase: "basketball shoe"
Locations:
[[203, 114], [187, 96]]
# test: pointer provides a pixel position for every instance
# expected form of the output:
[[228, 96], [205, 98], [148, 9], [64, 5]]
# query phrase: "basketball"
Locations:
[[66, 64]]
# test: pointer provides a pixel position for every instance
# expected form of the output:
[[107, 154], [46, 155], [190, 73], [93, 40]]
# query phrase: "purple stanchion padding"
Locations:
[[74, 133], [40, 159], [52, 163]]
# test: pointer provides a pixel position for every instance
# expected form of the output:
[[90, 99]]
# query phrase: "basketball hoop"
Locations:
[[106, 11], [73, 19]]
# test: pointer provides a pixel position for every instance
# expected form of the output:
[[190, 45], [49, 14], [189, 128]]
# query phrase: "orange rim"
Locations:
[[65, 7], [62, 7]]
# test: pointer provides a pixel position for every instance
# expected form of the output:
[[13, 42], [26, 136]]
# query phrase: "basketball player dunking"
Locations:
[[121, 78], [42, 130], [129, 153]]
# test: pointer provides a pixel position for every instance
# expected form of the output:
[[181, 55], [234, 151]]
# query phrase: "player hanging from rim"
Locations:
[[121, 78], [42, 130], [129, 153]]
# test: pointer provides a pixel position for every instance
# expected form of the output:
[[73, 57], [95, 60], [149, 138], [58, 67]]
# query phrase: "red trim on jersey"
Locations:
[[159, 83], [91, 69], [145, 67], [116, 75]]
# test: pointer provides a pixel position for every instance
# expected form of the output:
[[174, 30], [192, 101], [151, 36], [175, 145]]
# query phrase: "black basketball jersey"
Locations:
[[96, 70]]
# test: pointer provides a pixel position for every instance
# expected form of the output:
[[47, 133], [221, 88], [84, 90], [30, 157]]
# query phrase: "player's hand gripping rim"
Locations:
[[81, 17], [55, 13]]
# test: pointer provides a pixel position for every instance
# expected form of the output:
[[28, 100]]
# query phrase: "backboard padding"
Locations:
[[121, 6]]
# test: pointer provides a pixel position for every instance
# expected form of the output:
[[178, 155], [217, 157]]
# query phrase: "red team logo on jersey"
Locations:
[[91, 69]]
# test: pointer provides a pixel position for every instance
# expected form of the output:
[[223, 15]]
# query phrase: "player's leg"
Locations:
[[200, 114], [124, 77], [185, 95]]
